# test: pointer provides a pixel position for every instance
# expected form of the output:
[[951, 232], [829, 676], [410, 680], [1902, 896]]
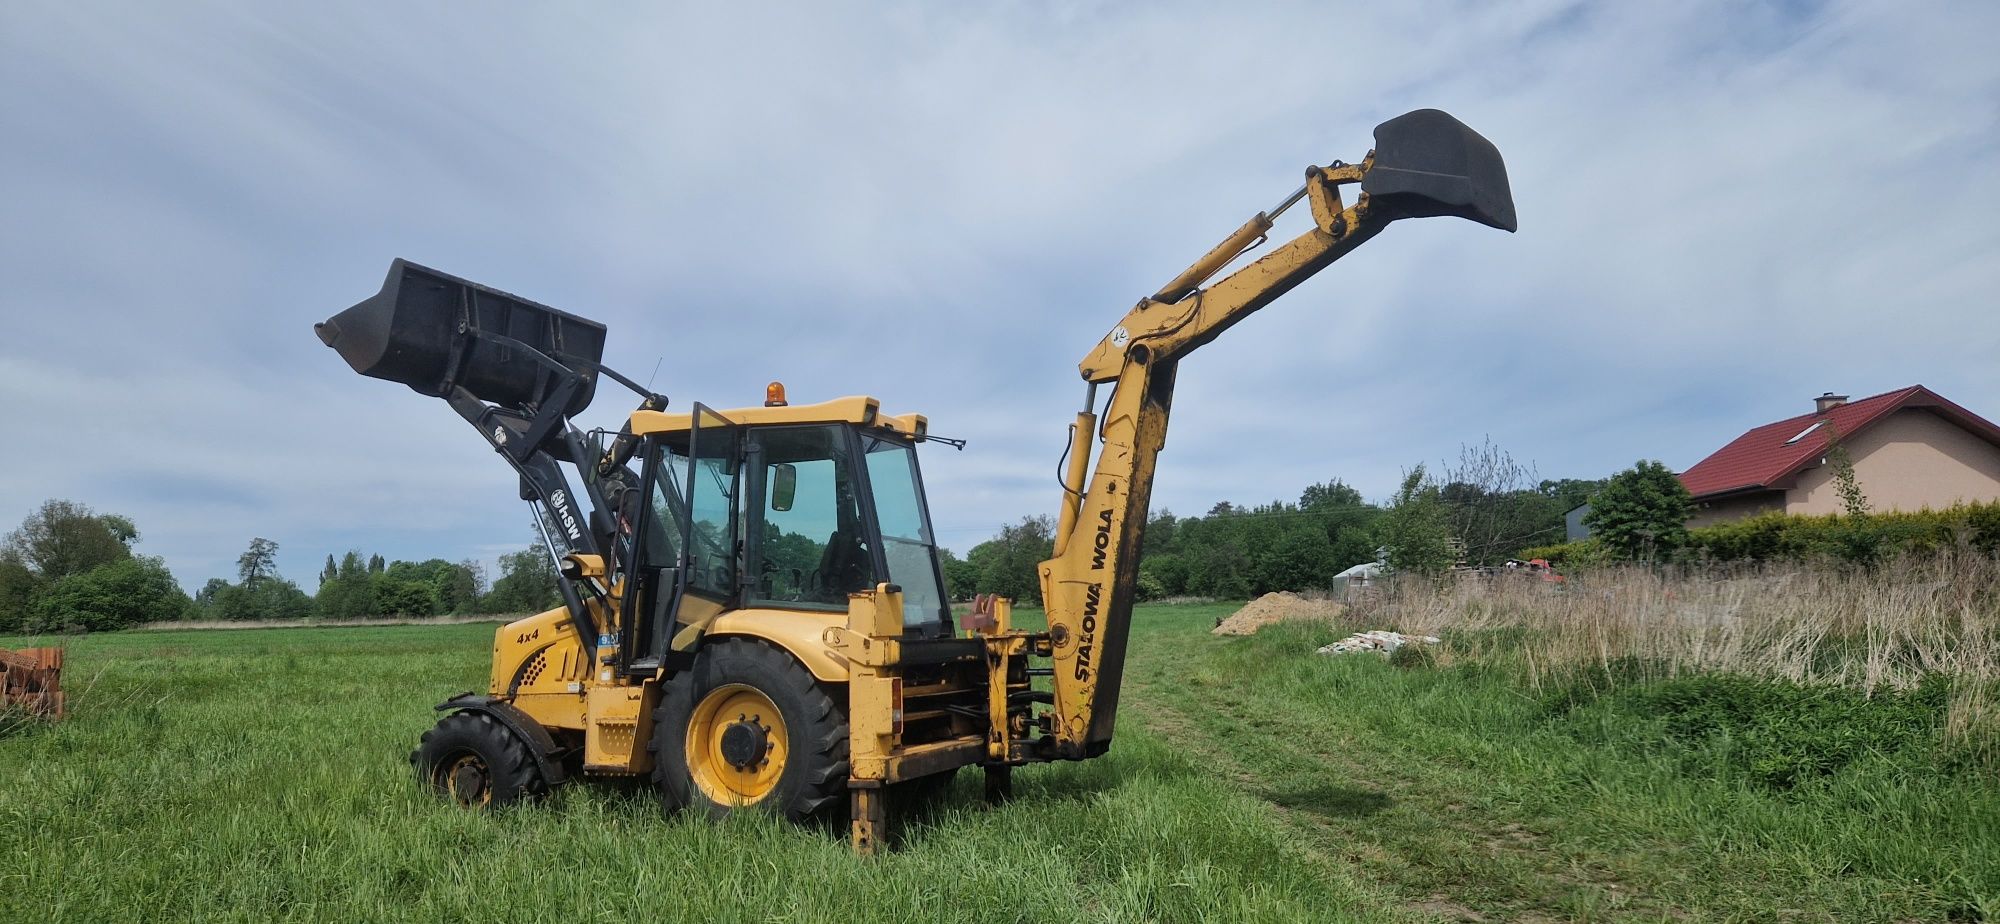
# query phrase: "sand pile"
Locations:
[[1275, 607]]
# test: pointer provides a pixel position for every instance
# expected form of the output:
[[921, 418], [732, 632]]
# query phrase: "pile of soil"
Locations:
[[1275, 607]]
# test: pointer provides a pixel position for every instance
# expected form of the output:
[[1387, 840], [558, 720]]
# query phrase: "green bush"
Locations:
[[1583, 553], [1781, 536], [1148, 587], [395, 597], [1863, 539], [119, 595], [1780, 735], [1641, 514]]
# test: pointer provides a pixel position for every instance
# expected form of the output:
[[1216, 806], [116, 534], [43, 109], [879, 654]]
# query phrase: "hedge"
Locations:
[[1778, 536]]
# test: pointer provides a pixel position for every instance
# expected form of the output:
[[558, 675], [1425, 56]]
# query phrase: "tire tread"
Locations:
[[514, 774], [822, 777]]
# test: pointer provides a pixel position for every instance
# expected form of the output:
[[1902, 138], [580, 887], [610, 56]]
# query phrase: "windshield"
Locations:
[[907, 546]]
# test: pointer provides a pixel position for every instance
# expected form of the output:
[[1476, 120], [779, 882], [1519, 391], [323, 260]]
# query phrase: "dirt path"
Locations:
[[1415, 838]]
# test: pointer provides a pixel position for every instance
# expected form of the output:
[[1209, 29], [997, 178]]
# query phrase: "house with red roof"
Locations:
[[1911, 449]]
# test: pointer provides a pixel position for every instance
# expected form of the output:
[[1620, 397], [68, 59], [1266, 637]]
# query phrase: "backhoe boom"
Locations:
[[1425, 163]]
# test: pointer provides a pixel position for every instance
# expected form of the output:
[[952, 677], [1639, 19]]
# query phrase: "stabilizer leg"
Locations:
[[999, 784], [869, 813]]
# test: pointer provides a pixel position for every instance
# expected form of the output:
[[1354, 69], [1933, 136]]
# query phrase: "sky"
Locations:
[[1725, 209]]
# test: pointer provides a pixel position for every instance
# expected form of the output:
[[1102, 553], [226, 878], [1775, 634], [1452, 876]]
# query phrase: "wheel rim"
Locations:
[[467, 780], [736, 745]]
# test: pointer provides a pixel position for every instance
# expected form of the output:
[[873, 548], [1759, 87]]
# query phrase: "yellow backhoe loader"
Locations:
[[752, 608]]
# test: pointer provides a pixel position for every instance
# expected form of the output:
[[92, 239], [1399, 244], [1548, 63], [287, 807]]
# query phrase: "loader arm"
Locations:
[[1425, 163], [518, 372]]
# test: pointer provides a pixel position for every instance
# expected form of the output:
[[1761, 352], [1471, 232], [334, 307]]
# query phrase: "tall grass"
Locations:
[[1884, 628], [263, 775], [1707, 797], [14, 719]]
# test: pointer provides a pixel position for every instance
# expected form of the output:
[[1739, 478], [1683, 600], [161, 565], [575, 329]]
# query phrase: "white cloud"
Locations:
[[1725, 208]]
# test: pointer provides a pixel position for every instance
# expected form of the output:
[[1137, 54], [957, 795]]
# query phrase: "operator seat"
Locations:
[[844, 567]]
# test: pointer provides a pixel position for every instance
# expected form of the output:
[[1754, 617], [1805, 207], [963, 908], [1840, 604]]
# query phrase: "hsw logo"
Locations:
[[559, 504]]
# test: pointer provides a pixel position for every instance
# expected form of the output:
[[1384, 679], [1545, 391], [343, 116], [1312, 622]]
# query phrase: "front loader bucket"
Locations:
[[416, 331], [1428, 163]]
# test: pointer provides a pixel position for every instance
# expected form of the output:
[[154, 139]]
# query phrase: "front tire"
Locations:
[[749, 726], [473, 760]]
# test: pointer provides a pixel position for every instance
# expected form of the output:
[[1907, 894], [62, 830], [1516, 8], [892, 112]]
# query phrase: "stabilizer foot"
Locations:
[[999, 784], [868, 810]]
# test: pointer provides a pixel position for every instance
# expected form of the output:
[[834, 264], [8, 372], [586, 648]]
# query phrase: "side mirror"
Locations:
[[784, 485]]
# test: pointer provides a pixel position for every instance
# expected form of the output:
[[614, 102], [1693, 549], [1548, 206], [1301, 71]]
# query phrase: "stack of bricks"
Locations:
[[31, 679]]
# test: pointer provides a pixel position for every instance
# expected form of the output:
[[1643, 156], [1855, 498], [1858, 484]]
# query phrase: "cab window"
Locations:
[[812, 547], [907, 545], [712, 493]]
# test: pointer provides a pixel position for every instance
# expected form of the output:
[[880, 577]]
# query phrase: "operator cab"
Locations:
[[777, 508]]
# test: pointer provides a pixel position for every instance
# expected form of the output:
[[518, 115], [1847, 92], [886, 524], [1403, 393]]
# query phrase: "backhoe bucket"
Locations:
[[1428, 163], [417, 331]]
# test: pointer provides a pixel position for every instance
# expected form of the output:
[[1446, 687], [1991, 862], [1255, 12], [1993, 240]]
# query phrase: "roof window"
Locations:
[[1806, 432]]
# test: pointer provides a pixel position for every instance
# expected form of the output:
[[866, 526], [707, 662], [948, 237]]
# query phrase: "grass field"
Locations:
[[257, 775]]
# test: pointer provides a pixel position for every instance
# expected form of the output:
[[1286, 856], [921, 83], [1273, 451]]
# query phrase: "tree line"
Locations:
[[352, 588], [68, 569], [1479, 510]]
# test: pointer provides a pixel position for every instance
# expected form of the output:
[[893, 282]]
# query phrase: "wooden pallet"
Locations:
[[31, 679]]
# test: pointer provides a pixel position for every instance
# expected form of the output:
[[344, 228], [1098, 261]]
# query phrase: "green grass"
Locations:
[[260, 775], [1460, 787]]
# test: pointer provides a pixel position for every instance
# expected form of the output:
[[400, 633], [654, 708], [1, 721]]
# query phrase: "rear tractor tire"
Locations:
[[473, 760], [749, 727]]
